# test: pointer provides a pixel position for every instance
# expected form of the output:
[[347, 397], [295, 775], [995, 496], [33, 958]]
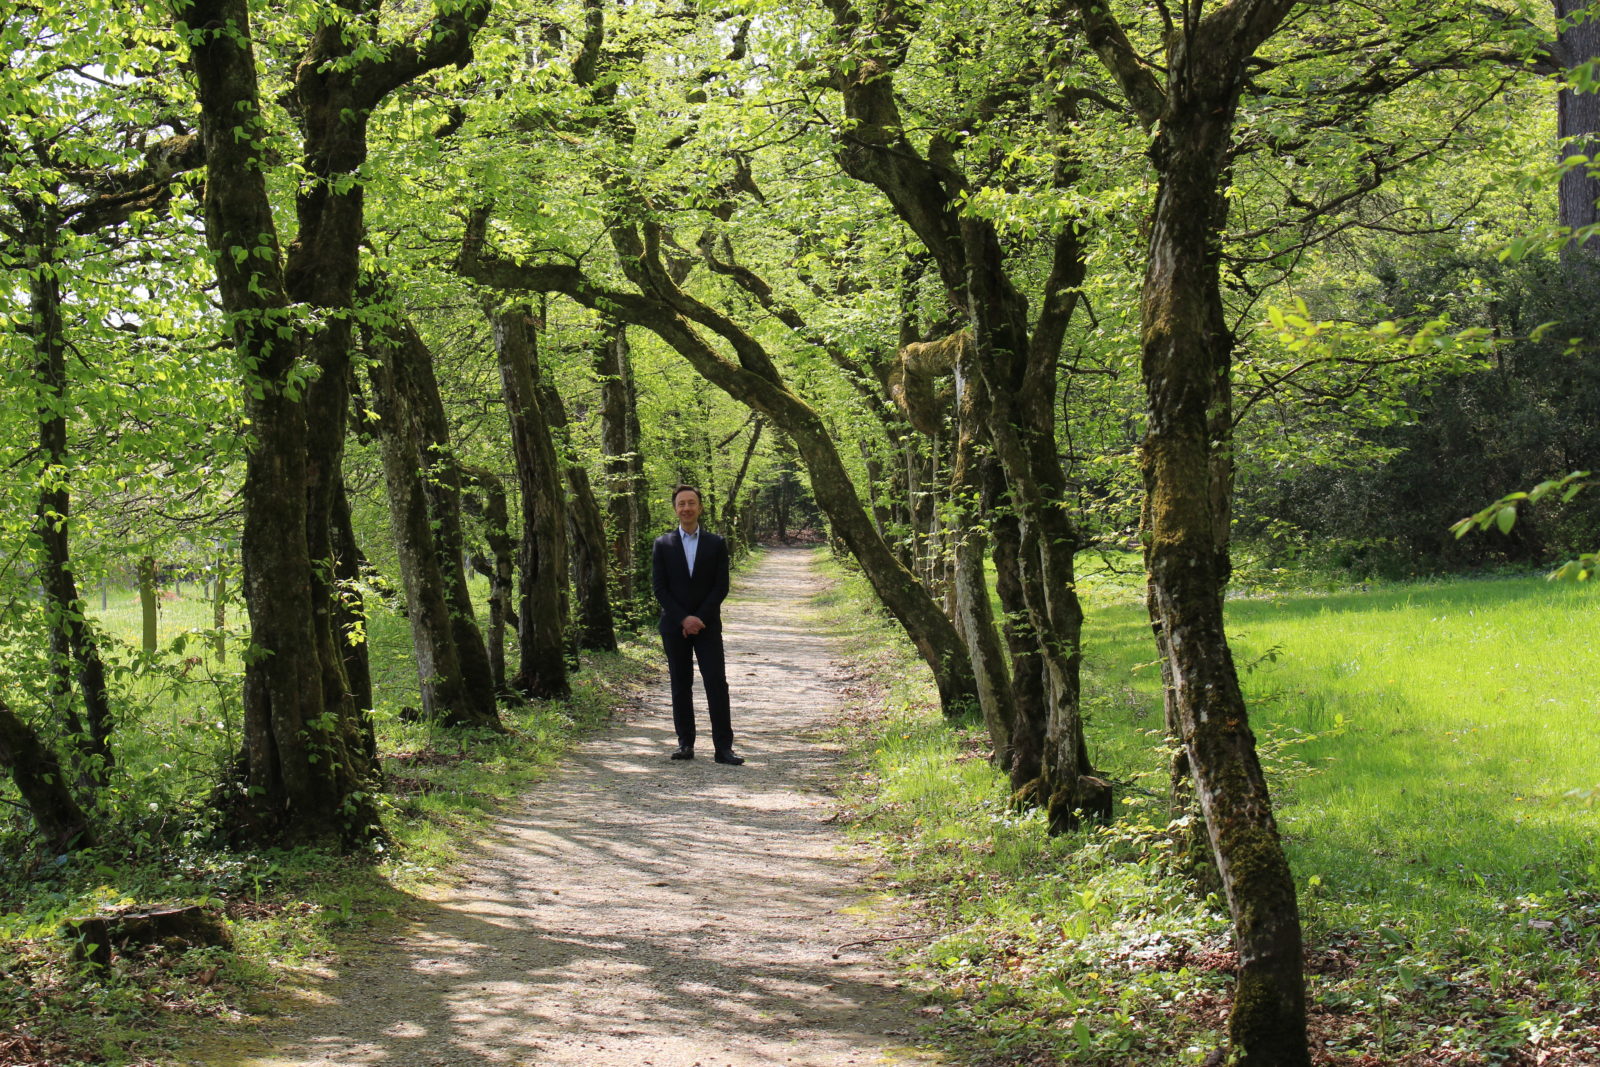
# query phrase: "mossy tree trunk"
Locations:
[[591, 581], [1186, 353], [1023, 761], [1578, 122], [453, 669], [542, 554], [626, 507], [974, 613], [306, 762]]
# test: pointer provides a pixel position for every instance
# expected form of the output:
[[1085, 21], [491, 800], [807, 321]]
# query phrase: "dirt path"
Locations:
[[634, 911]]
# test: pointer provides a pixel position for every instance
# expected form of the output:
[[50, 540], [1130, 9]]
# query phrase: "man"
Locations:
[[689, 570]]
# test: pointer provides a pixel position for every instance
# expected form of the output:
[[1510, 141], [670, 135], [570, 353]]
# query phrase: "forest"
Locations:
[[353, 349]]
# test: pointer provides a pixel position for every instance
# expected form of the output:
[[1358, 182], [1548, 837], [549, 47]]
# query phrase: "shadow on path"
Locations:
[[636, 911]]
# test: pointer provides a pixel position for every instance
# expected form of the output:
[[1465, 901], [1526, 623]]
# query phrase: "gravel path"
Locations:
[[637, 912]]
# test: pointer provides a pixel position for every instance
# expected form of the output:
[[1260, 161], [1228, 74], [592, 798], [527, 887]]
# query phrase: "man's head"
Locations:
[[686, 502]]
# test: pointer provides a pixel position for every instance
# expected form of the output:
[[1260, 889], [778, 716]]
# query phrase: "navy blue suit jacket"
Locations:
[[681, 594]]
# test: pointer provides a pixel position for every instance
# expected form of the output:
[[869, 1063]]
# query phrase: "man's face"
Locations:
[[687, 505]]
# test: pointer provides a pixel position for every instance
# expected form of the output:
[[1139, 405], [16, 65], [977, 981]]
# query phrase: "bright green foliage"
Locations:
[[91, 198]]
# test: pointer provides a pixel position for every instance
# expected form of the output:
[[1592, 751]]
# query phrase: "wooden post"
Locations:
[[148, 604]]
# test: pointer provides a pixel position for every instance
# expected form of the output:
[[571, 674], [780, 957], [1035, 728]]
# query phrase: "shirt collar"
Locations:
[[691, 536]]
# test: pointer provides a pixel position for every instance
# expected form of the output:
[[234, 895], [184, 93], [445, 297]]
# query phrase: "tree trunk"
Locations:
[[784, 491], [307, 775], [1026, 761], [1578, 122], [542, 553], [442, 487], [219, 610], [350, 615], [39, 778], [974, 613], [619, 443], [921, 491], [453, 666], [1024, 383], [74, 650], [738, 542], [586, 529], [879, 496], [1191, 844], [499, 567], [639, 498], [1186, 349]]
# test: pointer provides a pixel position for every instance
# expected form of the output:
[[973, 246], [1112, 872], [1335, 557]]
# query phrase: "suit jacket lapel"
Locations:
[[680, 558]]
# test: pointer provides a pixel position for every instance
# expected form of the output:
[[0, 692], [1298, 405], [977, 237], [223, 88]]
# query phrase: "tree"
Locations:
[[1006, 379], [306, 762], [755, 381], [591, 581], [424, 482], [1576, 49], [624, 463], [657, 268], [92, 161], [1186, 349], [543, 551]]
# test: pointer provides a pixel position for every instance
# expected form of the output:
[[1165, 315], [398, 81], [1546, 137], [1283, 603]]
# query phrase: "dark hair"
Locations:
[[687, 489]]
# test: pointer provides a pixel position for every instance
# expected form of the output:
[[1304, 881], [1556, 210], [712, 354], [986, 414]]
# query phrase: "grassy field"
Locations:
[[1433, 752], [189, 612], [1439, 742]]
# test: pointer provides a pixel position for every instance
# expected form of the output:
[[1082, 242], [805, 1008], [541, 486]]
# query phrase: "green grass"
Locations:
[[1445, 736], [1433, 754], [1037, 942]]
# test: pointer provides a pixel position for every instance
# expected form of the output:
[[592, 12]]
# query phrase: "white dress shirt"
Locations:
[[691, 545]]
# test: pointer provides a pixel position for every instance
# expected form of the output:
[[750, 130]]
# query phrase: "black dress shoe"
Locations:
[[683, 752], [727, 755]]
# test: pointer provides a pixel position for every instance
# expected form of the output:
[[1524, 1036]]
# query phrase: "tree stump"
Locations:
[[190, 926]]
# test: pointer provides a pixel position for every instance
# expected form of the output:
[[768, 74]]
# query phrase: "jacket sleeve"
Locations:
[[672, 612], [709, 607]]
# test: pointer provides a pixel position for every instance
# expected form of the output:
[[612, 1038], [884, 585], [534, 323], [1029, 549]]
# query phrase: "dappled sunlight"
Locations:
[[634, 910]]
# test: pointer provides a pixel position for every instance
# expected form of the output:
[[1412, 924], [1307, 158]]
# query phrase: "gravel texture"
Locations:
[[631, 910]]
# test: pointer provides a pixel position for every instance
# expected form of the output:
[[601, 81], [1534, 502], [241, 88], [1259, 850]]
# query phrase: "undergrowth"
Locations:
[[1091, 948]]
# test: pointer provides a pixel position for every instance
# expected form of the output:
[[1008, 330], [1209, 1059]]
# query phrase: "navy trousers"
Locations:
[[681, 654]]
